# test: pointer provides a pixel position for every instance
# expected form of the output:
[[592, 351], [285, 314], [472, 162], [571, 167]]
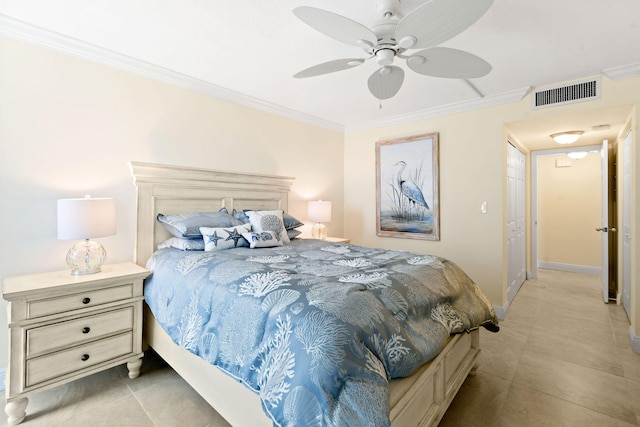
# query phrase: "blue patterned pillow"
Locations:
[[268, 221], [218, 239], [183, 244], [290, 222], [265, 239], [188, 225]]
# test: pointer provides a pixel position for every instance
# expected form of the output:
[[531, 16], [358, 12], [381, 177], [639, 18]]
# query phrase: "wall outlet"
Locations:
[[483, 207]]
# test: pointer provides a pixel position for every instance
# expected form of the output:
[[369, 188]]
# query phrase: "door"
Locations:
[[626, 225], [604, 219], [516, 222]]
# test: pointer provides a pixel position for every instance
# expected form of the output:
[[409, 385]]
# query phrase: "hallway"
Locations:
[[562, 357]]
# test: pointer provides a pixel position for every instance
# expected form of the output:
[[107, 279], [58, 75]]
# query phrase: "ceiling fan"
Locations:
[[424, 28]]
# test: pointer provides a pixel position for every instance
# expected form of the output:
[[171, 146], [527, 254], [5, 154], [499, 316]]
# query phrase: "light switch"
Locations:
[[483, 207]]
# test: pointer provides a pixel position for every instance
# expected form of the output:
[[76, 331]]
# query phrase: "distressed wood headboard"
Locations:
[[177, 189]]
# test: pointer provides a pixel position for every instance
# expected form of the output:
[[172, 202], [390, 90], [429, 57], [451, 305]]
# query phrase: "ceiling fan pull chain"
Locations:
[[379, 104]]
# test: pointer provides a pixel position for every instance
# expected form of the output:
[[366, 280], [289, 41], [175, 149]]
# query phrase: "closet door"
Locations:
[[516, 220]]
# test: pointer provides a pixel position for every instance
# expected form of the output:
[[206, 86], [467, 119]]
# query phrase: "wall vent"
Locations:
[[584, 90]]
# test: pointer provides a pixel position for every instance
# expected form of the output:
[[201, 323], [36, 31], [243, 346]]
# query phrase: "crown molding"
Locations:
[[623, 72], [444, 110], [16, 29]]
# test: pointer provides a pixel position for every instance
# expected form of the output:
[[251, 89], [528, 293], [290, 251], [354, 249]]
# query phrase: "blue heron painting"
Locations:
[[410, 189], [407, 187]]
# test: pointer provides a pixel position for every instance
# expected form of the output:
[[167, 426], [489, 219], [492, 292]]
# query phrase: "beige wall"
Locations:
[[569, 210], [472, 169], [69, 127]]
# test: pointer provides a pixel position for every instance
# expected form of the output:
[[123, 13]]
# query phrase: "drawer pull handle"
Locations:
[[86, 330], [85, 357], [86, 300]]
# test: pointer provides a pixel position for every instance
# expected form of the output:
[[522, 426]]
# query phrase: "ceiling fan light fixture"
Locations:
[[566, 137], [385, 71], [385, 57]]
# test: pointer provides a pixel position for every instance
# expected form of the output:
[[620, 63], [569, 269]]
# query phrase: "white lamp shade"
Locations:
[[319, 211], [86, 218]]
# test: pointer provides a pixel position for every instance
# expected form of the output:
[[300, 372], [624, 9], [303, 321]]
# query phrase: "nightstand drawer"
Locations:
[[54, 365], [71, 302], [73, 332]]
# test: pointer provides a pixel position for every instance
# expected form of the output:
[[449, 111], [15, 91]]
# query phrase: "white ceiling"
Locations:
[[251, 49]]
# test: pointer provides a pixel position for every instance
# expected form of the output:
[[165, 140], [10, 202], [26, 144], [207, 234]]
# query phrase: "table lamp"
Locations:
[[319, 211], [84, 219]]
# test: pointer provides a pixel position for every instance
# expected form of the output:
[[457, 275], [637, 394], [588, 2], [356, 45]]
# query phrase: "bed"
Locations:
[[418, 399]]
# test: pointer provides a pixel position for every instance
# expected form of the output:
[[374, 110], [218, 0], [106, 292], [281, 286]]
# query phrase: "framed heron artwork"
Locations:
[[407, 199]]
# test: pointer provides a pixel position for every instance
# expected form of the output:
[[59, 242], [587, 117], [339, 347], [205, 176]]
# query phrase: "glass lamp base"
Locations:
[[86, 257], [319, 231]]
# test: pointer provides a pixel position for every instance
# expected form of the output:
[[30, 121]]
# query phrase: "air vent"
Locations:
[[585, 90]]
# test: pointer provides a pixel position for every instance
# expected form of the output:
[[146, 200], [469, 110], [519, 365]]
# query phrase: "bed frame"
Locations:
[[418, 400]]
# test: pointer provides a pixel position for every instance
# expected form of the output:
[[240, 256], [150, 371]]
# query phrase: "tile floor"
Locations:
[[561, 359]]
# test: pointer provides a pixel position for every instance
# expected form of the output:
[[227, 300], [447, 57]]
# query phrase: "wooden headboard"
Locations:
[[176, 189]]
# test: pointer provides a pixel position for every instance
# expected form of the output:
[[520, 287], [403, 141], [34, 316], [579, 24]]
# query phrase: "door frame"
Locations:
[[627, 172], [534, 195]]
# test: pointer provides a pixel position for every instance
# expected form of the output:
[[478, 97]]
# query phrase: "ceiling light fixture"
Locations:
[[566, 137], [577, 155]]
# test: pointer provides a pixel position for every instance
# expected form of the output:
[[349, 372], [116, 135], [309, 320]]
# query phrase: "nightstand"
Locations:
[[337, 240], [64, 327]]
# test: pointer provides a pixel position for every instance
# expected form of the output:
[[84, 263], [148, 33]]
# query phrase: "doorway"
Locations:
[[560, 233]]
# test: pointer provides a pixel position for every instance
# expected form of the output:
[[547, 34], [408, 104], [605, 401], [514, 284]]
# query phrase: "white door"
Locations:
[[626, 225], [604, 218], [516, 232]]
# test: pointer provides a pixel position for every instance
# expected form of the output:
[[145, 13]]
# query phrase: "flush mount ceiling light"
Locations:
[[566, 137], [577, 155]]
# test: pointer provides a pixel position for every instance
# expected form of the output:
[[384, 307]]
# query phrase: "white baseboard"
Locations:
[[501, 311], [574, 268], [634, 340]]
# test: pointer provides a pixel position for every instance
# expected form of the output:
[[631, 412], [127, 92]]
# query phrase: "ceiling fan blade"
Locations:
[[386, 82], [335, 26], [448, 63], [329, 67], [438, 20]]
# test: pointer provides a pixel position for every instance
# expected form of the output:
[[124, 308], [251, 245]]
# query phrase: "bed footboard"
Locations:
[[424, 396]]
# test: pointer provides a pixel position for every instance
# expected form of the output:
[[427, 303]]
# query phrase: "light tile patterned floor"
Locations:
[[561, 359]]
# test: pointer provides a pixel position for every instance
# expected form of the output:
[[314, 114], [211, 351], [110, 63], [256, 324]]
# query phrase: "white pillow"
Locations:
[[264, 239], [268, 221], [217, 239]]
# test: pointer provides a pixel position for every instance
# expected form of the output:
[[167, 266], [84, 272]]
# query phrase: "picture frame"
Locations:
[[407, 187]]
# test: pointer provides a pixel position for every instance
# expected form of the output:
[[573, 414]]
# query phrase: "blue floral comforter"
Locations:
[[316, 328]]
